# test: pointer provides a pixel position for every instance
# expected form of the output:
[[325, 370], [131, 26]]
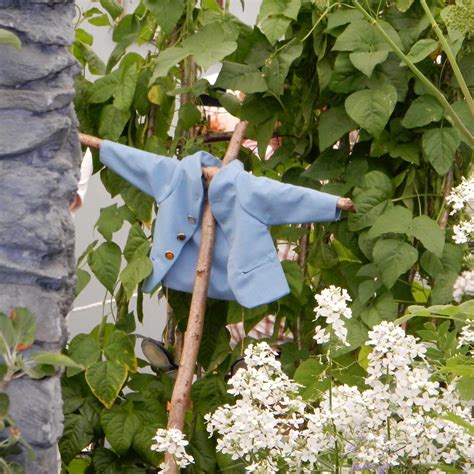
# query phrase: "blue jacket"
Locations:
[[245, 267]]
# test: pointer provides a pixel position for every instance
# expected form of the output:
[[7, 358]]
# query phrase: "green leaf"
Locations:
[[393, 258], [372, 108], [4, 404], [422, 111], [84, 349], [136, 271], [7, 337], [79, 466], [105, 264], [404, 5], [120, 348], [294, 276], [241, 77], [105, 379], [82, 280], [421, 49], [113, 8], [328, 165], [96, 65], [77, 434], [167, 12], [137, 243], [371, 200], [429, 233], [342, 16], [112, 122], [465, 388], [277, 67], [52, 358], [345, 77], [274, 27], [333, 124], [139, 202], [406, 151], [361, 36], [439, 146], [383, 308], [109, 221], [100, 20], [103, 89], [211, 44], [288, 8], [24, 327], [396, 220], [442, 291], [308, 374], [363, 356], [167, 59], [189, 115], [120, 425], [10, 39], [366, 61], [104, 460], [125, 90]]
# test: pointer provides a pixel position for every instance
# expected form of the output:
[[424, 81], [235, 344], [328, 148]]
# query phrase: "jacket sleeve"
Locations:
[[150, 173], [274, 203]]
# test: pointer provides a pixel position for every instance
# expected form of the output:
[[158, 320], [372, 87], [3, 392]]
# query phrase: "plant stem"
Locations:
[[451, 58], [427, 83]]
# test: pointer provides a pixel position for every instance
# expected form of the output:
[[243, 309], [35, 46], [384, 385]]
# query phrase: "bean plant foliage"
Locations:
[[371, 100]]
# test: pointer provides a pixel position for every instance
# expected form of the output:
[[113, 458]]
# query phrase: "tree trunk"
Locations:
[[39, 160]]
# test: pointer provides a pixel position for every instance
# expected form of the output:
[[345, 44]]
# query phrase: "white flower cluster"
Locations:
[[260, 428], [460, 198], [395, 422], [461, 194], [174, 442], [466, 335], [464, 285], [332, 305]]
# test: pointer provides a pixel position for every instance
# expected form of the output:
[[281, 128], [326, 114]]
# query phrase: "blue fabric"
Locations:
[[245, 265]]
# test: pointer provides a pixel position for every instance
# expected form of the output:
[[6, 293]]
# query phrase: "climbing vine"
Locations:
[[371, 100]]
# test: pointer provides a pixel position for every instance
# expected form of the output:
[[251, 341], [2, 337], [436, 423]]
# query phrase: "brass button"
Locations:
[[191, 219], [169, 255], [181, 236]]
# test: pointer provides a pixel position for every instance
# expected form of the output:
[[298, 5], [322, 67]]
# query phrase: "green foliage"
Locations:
[[350, 96], [17, 335]]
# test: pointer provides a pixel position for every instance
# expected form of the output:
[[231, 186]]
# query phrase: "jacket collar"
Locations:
[[191, 165]]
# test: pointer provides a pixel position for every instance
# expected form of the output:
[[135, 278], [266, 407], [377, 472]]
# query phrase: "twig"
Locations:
[[192, 338]]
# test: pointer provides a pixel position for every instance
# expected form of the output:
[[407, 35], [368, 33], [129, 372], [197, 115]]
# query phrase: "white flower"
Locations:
[[174, 442], [461, 194], [332, 305], [464, 285], [321, 336], [463, 232], [466, 336]]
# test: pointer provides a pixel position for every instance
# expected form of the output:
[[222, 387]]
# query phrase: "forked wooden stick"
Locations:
[[193, 335]]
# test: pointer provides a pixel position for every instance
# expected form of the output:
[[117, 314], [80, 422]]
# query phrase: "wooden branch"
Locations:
[[89, 140], [192, 338]]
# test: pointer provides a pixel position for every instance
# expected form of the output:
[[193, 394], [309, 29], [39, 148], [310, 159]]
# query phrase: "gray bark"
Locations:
[[39, 160]]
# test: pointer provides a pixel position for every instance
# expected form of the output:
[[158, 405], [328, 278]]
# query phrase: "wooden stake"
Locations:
[[192, 339]]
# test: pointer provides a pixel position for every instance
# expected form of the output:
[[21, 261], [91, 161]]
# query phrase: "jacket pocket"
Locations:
[[255, 266]]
